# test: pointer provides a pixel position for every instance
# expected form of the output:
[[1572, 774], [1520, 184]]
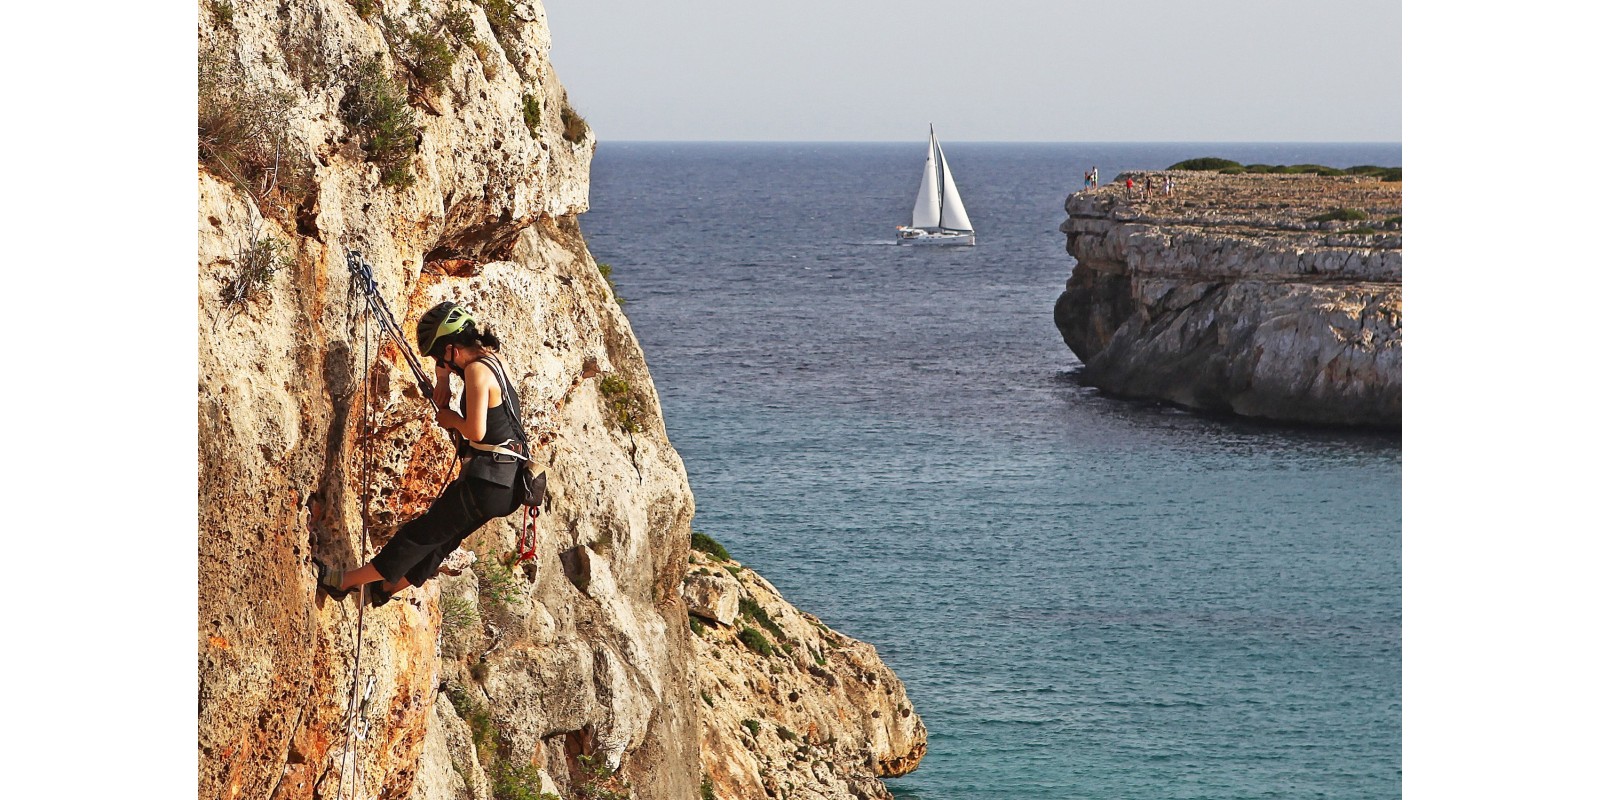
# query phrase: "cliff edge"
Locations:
[[1264, 295], [434, 138]]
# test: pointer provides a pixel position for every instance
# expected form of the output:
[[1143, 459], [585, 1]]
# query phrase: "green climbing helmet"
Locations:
[[439, 322]]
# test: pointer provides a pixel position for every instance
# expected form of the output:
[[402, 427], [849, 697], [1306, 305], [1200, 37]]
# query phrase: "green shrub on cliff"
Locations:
[[431, 58], [753, 639], [530, 118], [374, 107], [753, 611], [573, 126], [244, 137], [708, 545], [507, 27], [1340, 215], [1207, 164]]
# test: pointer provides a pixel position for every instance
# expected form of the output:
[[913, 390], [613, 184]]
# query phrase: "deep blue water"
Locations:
[[1086, 597]]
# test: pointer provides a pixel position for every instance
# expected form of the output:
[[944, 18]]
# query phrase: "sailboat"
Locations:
[[938, 217]]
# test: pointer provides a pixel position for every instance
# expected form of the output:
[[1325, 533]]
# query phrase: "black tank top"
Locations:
[[498, 427]]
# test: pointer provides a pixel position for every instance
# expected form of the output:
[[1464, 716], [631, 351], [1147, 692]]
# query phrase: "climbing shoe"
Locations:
[[328, 580], [378, 596]]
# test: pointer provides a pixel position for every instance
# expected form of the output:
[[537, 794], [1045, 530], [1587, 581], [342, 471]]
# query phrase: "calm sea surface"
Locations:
[[1086, 597]]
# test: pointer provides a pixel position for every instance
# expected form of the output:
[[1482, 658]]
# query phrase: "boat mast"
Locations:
[[940, 151]]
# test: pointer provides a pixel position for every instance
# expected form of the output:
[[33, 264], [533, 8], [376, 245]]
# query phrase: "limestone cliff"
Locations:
[[1236, 294], [793, 709], [435, 138]]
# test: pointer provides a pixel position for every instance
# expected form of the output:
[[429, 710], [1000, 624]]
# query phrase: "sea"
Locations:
[[1086, 596]]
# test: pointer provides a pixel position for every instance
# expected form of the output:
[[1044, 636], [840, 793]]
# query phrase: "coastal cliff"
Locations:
[[1264, 295], [435, 138]]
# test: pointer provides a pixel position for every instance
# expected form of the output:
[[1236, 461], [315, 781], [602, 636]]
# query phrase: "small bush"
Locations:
[[1362, 230], [707, 545], [817, 656], [223, 11], [752, 726], [697, 627], [507, 29], [597, 781], [257, 262], [1340, 215], [508, 780], [497, 581], [374, 106], [458, 22], [457, 613], [786, 734], [707, 791], [1231, 171], [753, 639], [530, 117], [573, 126], [485, 736], [752, 610], [243, 129], [515, 781], [620, 399], [1207, 164], [605, 272], [1395, 221], [706, 698], [365, 8], [431, 58]]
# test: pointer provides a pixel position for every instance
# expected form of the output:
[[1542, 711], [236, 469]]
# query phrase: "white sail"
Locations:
[[952, 215], [926, 212]]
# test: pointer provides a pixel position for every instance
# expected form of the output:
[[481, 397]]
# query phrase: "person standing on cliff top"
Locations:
[[1130, 187], [483, 491], [1094, 176]]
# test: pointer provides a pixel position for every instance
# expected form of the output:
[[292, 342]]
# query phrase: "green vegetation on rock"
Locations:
[[374, 106], [1340, 215], [1207, 164], [750, 609], [1227, 167], [708, 545], [753, 639]]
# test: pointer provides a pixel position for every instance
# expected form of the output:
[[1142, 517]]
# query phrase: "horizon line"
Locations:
[[599, 141]]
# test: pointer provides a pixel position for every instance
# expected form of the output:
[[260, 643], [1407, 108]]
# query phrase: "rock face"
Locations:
[[792, 708], [1228, 295], [434, 138]]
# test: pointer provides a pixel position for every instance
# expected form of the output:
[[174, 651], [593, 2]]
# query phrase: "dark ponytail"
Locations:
[[471, 336]]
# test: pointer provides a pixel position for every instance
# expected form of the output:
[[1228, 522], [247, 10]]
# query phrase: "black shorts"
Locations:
[[422, 544]]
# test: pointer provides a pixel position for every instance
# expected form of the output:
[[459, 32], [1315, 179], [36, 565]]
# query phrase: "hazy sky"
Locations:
[[982, 70]]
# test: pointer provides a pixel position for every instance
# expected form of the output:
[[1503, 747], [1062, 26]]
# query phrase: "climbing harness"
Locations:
[[530, 489]]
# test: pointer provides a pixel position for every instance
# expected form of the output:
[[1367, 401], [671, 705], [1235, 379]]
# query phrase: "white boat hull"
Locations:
[[917, 236]]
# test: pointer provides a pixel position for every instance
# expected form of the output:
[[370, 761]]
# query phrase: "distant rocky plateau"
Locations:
[[1263, 295]]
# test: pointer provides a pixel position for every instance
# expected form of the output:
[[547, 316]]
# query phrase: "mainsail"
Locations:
[[926, 212]]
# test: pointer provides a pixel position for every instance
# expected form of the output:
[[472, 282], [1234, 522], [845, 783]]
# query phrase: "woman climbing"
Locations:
[[450, 336]]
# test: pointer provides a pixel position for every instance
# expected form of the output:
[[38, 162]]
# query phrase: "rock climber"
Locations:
[[448, 334]]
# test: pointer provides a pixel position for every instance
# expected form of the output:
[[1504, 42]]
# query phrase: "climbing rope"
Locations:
[[361, 273]]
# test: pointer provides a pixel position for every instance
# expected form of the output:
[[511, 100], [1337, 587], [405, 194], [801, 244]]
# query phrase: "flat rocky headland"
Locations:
[[1266, 295]]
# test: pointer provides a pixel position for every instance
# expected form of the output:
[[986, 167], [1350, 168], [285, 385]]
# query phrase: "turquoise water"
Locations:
[[1086, 597]]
